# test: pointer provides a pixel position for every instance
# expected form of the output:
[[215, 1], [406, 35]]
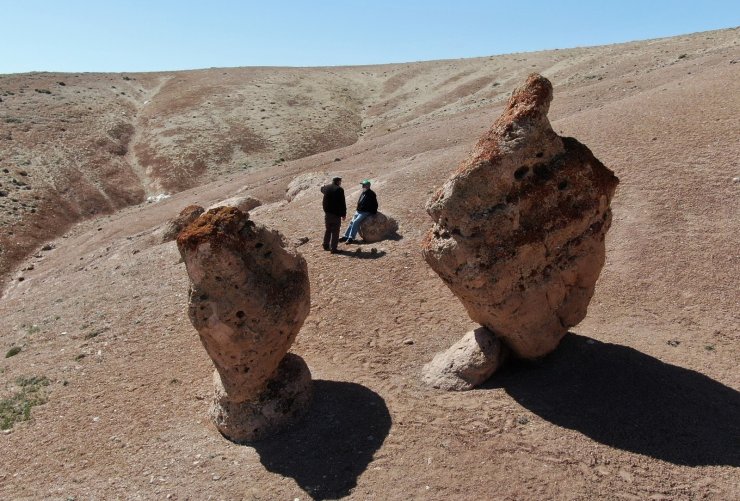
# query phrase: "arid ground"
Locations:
[[640, 401]]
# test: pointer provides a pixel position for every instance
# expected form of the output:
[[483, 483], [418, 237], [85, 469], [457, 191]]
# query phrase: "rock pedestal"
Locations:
[[519, 227], [285, 398], [377, 227], [248, 299], [467, 363]]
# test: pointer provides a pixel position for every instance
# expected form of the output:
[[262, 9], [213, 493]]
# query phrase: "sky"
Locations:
[[164, 35]]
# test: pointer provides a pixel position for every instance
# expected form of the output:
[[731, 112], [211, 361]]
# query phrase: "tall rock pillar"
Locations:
[[249, 296], [518, 233]]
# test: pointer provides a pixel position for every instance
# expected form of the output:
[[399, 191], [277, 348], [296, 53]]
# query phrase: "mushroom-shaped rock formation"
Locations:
[[248, 299], [176, 225], [519, 228], [377, 227]]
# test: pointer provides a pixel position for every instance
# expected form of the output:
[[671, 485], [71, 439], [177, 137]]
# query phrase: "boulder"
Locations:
[[249, 296], [305, 182], [467, 363], [244, 203], [176, 225], [377, 227], [519, 227]]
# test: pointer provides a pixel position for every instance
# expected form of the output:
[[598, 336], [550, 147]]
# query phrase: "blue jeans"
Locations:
[[354, 225]]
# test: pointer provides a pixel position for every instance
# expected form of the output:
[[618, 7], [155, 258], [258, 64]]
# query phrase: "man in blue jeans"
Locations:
[[367, 205]]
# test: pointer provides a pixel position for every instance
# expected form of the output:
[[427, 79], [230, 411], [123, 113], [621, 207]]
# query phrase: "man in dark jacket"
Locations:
[[367, 205], [335, 210]]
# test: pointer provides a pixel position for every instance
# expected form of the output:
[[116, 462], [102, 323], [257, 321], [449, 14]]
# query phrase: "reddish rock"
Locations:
[[519, 227], [176, 225]]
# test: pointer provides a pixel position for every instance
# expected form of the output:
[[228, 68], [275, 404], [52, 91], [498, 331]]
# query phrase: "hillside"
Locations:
[[640, 401]]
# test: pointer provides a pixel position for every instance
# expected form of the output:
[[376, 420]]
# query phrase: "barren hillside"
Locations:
[[640, 402]]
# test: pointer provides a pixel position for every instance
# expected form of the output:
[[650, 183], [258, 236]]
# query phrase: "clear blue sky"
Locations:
[[139, 35]]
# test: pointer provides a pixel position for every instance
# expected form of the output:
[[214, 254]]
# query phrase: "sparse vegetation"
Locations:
[[12, 120], [13, 351], [17, 407], [43, 91], [96, 332], [32, 329]]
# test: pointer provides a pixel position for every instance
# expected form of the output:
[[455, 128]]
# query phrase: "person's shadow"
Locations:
[[626, 399], [331, 447], [360, 253]]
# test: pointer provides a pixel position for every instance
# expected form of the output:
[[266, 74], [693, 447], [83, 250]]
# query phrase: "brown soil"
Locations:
[[640, 402]]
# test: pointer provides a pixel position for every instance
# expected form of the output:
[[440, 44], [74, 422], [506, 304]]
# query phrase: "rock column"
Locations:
[[519, 227], [249, 296]]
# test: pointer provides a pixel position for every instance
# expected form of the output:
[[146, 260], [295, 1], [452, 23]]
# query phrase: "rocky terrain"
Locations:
[[639, 401]]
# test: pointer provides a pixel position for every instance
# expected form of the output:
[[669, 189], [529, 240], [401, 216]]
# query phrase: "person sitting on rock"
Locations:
[[367, 205], [335, 209]]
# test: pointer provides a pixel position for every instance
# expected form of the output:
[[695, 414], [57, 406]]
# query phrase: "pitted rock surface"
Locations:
[[284, 400], [244, 203], [248, 299], [377, 227], [176, 225], [519, 228]]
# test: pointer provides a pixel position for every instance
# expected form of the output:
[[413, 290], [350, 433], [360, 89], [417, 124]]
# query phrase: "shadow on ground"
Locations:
[[332, 446], [395, 237], [360, 253], [626, 399]]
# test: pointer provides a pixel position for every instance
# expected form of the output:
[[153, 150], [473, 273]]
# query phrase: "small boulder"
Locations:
[[467, 363], [244, 203], [377, 227], [305, 182]]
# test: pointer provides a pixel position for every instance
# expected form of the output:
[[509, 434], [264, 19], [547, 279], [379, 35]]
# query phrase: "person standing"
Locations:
[[335, 210], [367, 205]]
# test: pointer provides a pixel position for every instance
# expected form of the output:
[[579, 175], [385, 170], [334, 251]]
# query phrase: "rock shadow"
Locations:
[[623, 398], [327, 451], [395, 237]]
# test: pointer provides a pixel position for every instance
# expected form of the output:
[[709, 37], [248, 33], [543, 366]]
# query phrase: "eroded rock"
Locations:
[[467, 363], [304, 183], [377, 227], [176, 225], [249, 296], [244, 203], [519, 227]]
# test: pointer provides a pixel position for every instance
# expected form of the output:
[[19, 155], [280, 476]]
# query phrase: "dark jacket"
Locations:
[[368, 202], [334, 200]]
